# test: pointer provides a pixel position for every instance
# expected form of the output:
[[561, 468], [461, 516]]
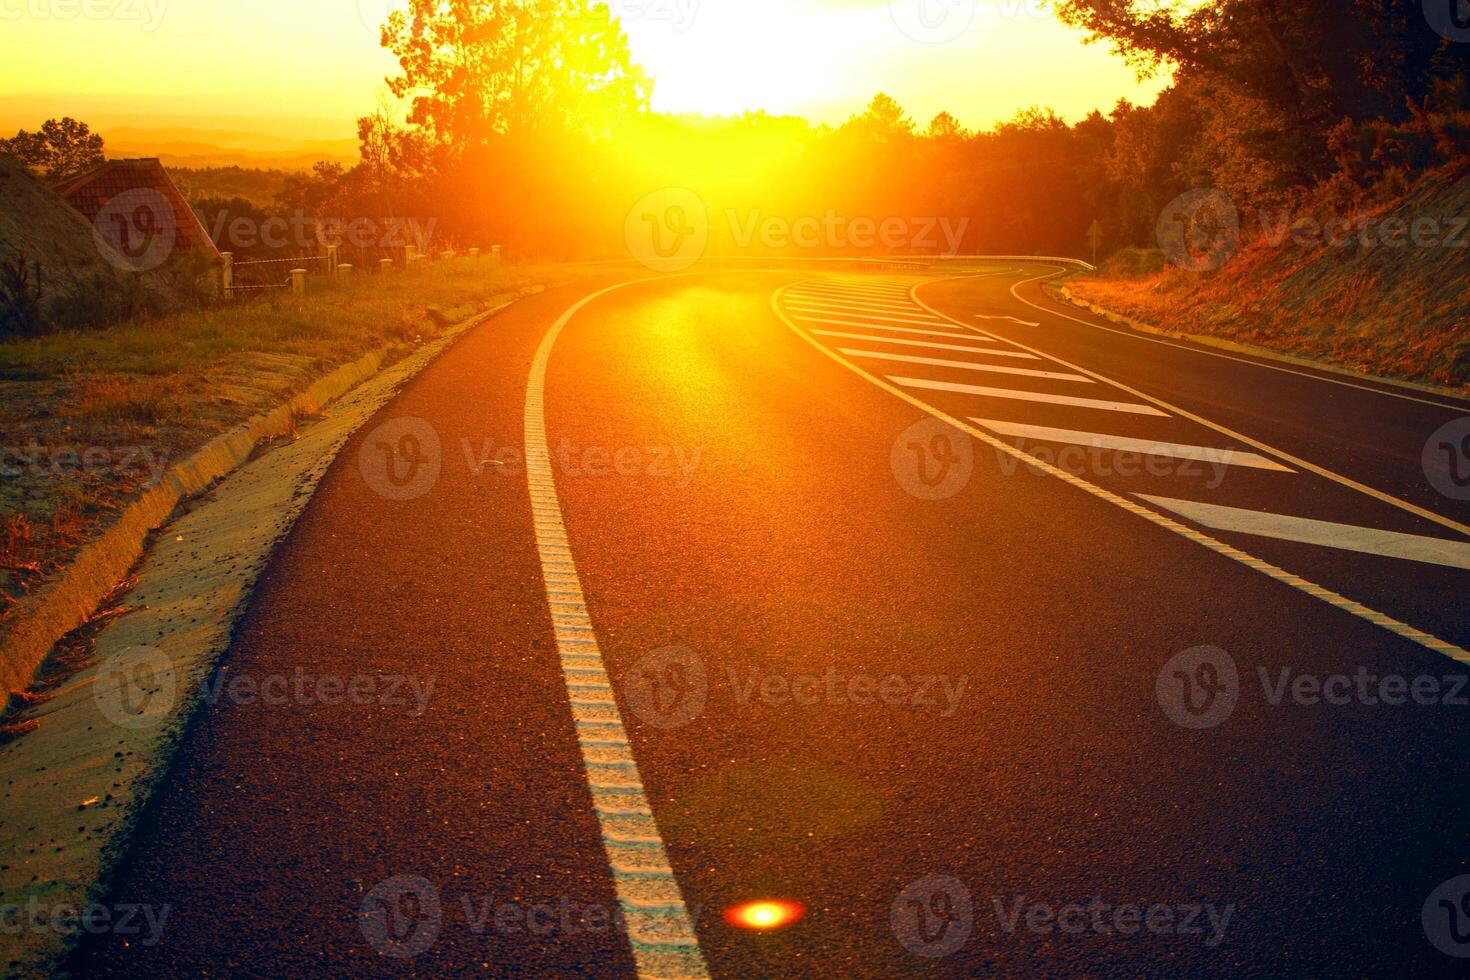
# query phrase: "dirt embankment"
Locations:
[[1386, 291]]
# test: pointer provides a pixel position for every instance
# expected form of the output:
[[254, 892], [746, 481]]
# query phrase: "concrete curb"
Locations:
[[1063, 292], [44, 618], [78, 784]]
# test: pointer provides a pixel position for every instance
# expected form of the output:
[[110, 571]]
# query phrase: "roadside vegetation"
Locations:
[[90, 418]]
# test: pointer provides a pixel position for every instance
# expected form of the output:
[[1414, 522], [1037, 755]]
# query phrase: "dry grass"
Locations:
[[1399, 312], [122, 399]]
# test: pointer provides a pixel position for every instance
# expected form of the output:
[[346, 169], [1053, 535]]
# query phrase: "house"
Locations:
[[92, 192]]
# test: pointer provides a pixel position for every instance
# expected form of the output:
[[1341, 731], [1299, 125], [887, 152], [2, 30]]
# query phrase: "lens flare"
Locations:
[[764, 915]]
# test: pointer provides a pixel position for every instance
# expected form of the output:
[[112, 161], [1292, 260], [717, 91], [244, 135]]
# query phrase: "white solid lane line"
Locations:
[[883, 326], [966, 365], [1100, 440], [1344, 537], [929, 345], [1028, 396], [879, 317]]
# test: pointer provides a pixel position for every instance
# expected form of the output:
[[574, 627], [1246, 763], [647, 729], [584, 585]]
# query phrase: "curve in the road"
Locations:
[[654, 917], [1326, 595]]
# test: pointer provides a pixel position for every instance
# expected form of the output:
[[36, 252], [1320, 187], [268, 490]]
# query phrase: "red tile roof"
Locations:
[[90, 193]]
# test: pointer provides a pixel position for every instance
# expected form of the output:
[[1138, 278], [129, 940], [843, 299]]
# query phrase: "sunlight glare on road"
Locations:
[[765, 915]]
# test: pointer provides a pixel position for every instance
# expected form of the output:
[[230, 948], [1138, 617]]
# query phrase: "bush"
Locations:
[[22, 292]]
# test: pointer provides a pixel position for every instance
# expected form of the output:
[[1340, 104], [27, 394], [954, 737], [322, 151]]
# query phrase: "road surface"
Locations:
[[990, 638]]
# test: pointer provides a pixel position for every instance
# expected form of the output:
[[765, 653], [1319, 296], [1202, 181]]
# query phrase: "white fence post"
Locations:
[[385, 265], [298, 282], [227, 274], [495, 258]]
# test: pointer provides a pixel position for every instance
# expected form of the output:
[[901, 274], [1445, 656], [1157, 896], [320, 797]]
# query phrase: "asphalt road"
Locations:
[[974, 713]]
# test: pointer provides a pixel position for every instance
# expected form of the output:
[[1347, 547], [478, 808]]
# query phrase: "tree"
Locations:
[[62, 148], [884, 119], [945, 127], [475, 69]]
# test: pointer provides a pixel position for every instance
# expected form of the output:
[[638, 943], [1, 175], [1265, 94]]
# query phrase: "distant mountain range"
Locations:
[[185, 147]]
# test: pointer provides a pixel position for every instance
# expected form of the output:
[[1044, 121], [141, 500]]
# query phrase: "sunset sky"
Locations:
[[307, 69]]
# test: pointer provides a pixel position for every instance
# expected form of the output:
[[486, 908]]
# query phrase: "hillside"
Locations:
[[1387, 292]]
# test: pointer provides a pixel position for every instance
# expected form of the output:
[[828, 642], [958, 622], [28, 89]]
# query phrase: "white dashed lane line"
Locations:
[[1343, 537], [918, 319], [880, 326], [1017, 394], [1455, 554], [929, 345], [1147, 447], [965, 365]]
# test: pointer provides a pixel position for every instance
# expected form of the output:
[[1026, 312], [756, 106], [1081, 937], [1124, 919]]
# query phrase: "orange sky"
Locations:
[[308, 69]]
